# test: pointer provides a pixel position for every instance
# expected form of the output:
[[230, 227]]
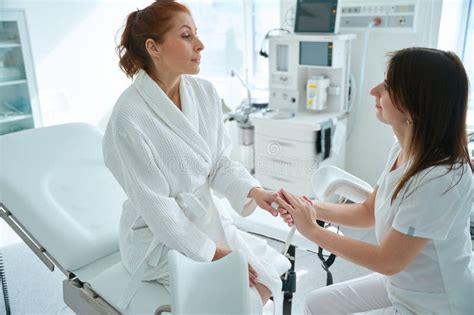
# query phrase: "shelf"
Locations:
[[8, 119], [15, 82], [19, 107], [9, 44]]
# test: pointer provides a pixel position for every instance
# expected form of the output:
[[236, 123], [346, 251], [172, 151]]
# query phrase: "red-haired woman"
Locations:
[[165, 144], [420, 207]]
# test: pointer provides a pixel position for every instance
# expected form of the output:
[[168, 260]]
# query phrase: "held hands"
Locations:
[[294, 210], [264, 199], [222, 252], [298, 211]]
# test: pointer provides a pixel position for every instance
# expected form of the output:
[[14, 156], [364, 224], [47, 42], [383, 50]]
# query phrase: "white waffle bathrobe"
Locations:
[[168, 161]]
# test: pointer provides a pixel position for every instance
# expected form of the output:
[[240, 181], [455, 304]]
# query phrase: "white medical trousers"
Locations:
[[353, 296]]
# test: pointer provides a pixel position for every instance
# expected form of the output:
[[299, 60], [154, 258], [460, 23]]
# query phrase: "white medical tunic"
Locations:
[[168, 162], [435, 204]]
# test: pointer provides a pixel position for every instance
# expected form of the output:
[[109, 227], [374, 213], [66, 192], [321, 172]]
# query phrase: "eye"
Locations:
[[186, 36]]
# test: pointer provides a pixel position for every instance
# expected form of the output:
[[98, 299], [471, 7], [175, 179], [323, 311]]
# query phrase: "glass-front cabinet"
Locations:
[[19, 108]]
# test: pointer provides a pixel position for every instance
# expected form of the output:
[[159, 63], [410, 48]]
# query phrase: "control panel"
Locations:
[[395, 17]]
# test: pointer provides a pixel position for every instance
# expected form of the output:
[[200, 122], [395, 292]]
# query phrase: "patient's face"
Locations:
[[385, 111], [180, 53]]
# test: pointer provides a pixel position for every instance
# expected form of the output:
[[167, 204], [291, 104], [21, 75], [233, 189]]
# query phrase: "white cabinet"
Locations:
[[19, 108], [288, 151]]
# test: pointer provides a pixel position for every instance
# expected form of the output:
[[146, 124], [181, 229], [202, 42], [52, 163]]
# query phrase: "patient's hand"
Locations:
[[264, 199], [301, 210], [284, 214], [222, 252]]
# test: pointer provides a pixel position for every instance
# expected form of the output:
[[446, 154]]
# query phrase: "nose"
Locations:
[[200, 45], [375, 91]]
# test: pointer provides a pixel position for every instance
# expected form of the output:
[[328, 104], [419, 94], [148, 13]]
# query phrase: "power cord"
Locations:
[[354, 107], [264, 52]]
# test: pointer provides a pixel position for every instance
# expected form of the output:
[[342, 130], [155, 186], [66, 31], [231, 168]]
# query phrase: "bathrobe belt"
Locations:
[[199, 208]]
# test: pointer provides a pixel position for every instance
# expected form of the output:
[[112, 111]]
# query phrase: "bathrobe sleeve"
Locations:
[[131, 161], [228, 177]]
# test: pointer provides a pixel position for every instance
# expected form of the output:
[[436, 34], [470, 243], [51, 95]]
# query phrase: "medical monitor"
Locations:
[[316, 54], [316, 16]]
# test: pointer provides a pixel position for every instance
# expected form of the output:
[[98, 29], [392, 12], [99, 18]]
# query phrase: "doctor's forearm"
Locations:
[[364, 254], [349, 215]]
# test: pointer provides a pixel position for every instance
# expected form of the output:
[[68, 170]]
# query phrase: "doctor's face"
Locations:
[[180, 53], [385, 110]]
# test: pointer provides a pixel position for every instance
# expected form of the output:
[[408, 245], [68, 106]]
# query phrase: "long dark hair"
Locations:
[[152, 22], [431, 86]]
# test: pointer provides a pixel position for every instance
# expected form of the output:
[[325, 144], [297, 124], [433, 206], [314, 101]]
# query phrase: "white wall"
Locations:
[[73, 46]]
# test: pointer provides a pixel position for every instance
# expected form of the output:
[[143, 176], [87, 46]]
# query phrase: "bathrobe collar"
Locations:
[[184, 123]]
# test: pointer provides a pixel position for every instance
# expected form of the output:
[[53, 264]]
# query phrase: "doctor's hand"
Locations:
[[264, 199], [223, 251], [298, 211]]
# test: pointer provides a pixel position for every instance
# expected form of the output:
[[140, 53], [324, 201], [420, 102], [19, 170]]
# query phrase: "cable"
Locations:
[[3, 281], [263, 52], [376, 21], [352, 92]]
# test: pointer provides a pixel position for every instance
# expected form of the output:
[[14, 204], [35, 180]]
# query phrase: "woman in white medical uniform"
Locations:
[[165, 144], [420, 206]]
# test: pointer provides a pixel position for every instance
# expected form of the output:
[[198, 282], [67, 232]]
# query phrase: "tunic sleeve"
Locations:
[[128, 155], [228, 177], [432, 203]]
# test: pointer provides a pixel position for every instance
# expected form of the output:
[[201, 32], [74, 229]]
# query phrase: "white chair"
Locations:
[[59, 197], [220, 287], [329, 181]]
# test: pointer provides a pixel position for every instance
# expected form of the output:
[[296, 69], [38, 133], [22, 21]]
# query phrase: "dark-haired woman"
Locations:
[[420, 207], [165, 144]]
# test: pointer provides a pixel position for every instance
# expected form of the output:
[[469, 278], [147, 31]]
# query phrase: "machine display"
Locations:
[[316, 16]]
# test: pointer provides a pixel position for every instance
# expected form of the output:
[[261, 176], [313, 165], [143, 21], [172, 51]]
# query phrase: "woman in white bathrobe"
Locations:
[[165, 145]]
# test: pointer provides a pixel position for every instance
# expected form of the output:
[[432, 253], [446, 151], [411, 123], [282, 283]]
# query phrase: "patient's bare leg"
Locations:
[[265, 294]]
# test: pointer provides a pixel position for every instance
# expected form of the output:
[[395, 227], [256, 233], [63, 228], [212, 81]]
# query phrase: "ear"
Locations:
[[152, 48]]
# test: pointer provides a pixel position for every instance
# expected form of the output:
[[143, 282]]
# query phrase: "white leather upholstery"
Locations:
[[193, 283], [111, 283], [55, 183], [330, 180]]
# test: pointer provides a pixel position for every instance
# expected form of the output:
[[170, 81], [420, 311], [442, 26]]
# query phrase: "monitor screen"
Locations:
[[315, 16], [316, 54]]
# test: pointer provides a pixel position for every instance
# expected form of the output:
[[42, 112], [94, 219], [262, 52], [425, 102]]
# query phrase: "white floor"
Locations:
[[33, 289]]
